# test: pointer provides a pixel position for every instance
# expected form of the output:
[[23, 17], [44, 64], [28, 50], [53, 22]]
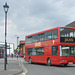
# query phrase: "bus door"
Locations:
[[54, 57], [40, 54]]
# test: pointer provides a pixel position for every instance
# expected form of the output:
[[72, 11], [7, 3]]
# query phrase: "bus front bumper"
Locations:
[[67, 62]]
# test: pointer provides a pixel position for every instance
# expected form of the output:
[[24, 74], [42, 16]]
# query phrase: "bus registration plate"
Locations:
[[70, 62]]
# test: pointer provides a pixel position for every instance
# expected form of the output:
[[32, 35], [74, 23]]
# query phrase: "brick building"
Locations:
[[22, 47]]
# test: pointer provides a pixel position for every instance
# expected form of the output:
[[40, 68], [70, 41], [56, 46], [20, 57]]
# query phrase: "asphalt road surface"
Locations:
[[40, 69]]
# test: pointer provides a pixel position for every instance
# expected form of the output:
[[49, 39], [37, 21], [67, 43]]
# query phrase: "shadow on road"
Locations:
[[58, 66]]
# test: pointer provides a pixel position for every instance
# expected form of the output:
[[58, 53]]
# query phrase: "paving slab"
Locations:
[[13, 66]]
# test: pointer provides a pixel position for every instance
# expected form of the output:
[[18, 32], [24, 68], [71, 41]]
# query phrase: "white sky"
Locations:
[[29, 16]]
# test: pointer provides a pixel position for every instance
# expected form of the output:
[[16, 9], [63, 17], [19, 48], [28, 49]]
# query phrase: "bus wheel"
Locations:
[[65, 65], [29, 60], [48, 62]]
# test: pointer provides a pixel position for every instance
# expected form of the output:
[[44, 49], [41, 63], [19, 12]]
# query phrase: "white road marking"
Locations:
[[23, 74]]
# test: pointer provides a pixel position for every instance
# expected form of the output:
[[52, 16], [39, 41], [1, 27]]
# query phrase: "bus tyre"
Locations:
[[48, 62], [29, 60], [65, 65]]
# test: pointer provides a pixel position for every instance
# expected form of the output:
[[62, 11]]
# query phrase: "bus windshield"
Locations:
[[67, 32], [67, 50]]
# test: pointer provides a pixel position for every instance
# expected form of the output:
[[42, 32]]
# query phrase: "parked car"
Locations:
[[21, 55]]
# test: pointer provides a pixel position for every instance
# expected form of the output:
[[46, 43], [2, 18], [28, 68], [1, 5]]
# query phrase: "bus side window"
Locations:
[[54, 50]]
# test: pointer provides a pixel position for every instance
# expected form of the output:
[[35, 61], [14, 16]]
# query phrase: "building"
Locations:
[[1, 51], [22, 47], [72, 24], [10, 49]]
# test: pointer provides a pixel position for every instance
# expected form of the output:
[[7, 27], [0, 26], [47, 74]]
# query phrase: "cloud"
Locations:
[[29, 16]]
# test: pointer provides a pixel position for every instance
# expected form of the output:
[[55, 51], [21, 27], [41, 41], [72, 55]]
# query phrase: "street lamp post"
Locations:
[[6, 7], [17, 43], [17, 40]]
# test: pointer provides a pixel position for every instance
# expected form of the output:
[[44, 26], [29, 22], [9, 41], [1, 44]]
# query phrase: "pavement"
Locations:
[[14, 66]]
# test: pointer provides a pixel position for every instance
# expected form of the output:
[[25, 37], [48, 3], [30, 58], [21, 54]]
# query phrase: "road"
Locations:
[[40, 69]]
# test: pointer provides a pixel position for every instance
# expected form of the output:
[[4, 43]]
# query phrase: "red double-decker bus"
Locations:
[[53, 46]]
